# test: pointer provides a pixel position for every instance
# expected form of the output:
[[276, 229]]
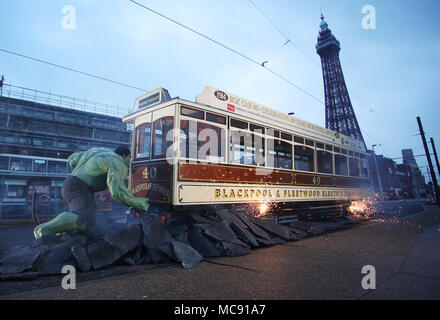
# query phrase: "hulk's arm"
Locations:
[[116, 174], [74, 159]]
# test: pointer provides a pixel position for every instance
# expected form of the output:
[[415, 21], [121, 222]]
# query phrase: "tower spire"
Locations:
[[339, 112]]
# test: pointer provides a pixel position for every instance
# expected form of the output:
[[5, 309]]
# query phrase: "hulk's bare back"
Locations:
[[93, 167]]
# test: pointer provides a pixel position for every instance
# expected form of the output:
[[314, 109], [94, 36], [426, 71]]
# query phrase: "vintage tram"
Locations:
[[223, 150]]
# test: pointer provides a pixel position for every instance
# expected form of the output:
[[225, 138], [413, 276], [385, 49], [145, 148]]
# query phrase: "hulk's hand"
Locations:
[[141, 204]]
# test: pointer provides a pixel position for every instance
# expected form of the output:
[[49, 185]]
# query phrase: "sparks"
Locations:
[[362, 208], [264, 209]]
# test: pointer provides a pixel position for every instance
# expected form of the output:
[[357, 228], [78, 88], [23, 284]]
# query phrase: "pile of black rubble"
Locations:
[[185, 238]]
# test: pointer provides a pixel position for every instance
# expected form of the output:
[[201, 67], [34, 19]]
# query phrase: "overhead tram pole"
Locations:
[[435, 155], [428, 156], [379, 181]]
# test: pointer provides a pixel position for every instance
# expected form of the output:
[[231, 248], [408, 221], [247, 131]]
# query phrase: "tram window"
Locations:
[[143, 141], [337, 150], [257, 129], [357, 155], [298, 140], [364, 168], [193, 113], [279, 154], [286, 136], [343, 151], [246, 148], [161, 127], [328, 148], [310, 143], [239, 124], [325, 162], [304, 159], [354, 167], [350, 153], [201, 141], [273, 133], [212, 117], [320, 145], [341, 167]]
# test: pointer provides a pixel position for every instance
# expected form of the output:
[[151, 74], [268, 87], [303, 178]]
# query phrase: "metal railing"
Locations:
[[36, 96]]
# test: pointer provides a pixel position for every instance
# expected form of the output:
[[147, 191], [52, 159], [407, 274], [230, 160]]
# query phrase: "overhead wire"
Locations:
[[73, 70], [228, 48], [289, 40]]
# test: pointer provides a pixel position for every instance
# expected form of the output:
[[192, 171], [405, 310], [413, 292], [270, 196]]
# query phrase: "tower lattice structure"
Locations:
[[339, 113]]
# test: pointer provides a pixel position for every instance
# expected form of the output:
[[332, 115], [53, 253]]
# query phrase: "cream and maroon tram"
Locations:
[[229, 151]]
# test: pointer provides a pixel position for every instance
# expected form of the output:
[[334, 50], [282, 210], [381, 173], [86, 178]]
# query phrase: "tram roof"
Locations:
[[234, 106]]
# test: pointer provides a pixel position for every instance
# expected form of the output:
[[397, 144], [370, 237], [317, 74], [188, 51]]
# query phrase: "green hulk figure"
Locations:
[[94, 170]]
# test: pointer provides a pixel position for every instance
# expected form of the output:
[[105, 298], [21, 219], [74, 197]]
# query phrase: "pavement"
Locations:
[[404, 252]]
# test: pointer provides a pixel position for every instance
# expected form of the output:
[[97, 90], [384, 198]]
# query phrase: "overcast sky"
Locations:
[[392, 69]]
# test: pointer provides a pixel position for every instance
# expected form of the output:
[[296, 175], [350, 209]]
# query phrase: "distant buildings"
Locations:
[[38, 131], [418, 180], [398, 180]]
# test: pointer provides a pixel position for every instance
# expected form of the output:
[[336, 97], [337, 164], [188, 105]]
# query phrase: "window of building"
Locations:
[[18, 164], [10, 138], [325, 161], [24, 140], [341, 167], [193, 113], [304, 159], [279, 154], [202, 141], [343, 151], [39, 165], [354, 167], [328, 148], [15, 189], [37, 142], [161, 128], [56, 167], [15, 192], [4, 163], [143, 141], [246, 148], [319, 145]]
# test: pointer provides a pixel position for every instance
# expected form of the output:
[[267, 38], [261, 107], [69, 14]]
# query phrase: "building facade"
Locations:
[[418, 181], [38, 132], [399, 181]]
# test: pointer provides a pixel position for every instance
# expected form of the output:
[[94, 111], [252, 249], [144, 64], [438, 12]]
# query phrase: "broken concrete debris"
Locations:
[[183, 238]]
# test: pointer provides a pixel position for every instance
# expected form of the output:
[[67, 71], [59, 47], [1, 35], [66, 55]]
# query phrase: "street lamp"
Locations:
[[379, 181]]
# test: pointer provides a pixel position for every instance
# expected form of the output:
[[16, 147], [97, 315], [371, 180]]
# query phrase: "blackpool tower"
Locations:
[[339, 113]]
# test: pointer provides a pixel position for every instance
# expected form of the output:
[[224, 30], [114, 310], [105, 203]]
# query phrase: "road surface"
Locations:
[[404, 253]]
